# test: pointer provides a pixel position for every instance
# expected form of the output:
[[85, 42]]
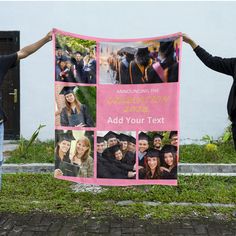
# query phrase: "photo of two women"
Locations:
[[74, 155]]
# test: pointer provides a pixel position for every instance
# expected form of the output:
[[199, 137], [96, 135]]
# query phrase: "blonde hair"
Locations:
[[85, 140]]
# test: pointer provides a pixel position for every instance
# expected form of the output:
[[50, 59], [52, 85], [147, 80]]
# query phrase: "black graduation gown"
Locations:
[[124, 73], [173, 73], [169, 175], [80, 72], [76, 118], [152, 75], [111, 168], [136, 75], [129, 158], [70, 77], [58, 160]]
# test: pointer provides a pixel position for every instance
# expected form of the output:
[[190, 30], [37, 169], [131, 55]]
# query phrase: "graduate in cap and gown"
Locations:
[[157, 141], [174, 138], [124, 75], [138, 67], [100, 146], [60, 55], [61, 69], [143, 145], [166, 68], [152, 166], [79, 65], [70, 73], [104, 162], [74, 114], [169, 162], [112, 166], [127, 155], [132, 144], [111, 138], [62, 153]]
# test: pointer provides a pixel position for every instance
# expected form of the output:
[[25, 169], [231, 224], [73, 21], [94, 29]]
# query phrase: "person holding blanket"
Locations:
[[6, 63], [223, 65]]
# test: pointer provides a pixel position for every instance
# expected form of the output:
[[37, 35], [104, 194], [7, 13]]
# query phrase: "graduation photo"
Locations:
[[75, 60], [74, 155], [158, 155], [116, 154], [152, 61], [75, 106]]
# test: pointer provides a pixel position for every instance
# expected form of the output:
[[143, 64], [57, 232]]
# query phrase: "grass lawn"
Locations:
[[39, 152], [41, 192], [43, 152], [197, 154]]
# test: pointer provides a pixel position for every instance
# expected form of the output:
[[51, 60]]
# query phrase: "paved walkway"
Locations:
[[43, 224]]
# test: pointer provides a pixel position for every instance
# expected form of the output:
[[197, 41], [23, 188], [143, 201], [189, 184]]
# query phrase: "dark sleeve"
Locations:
[[8, 61], [222, 65], [88, 120], [64, 118]]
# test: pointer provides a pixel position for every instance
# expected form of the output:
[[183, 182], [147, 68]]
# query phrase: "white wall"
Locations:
[[204, 92]]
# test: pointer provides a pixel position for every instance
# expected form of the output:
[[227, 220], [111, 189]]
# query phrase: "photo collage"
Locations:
[[83, 148]]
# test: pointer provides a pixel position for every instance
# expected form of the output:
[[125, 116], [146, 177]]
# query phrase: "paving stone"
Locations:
[[115, 231], [38, 228], [16, 231], [127, 230], [8, 225], [2, 220], [184, 231], [56, 226], [65, 231], [201, 229], [115, 224], [27, 233], [35, 219], [66, 226], [3, 233], [52, 233]]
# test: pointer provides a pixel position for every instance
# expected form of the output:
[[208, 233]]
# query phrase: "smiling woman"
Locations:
[[74, 114], [82, 157]]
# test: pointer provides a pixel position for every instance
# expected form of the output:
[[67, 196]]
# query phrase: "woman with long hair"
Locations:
[[152, 168], [74, 114], [62, 153], [169, 165], [82, 157]]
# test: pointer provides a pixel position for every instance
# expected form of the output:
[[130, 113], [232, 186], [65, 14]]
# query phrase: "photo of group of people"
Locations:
[[74, 154], [75, 106], [155, 61], [83, 151], [75, 60], [155, 160], [116, 155]]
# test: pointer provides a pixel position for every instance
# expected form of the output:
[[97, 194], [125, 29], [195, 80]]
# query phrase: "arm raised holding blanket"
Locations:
[[223, 65]]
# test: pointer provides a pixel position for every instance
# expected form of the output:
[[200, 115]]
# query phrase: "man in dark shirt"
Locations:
[[223, 65], [7, 62]]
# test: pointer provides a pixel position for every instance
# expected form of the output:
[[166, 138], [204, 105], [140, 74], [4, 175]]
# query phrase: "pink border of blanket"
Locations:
[[113, 182]]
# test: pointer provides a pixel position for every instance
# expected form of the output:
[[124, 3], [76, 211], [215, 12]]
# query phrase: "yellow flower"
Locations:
[[210, 147]]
